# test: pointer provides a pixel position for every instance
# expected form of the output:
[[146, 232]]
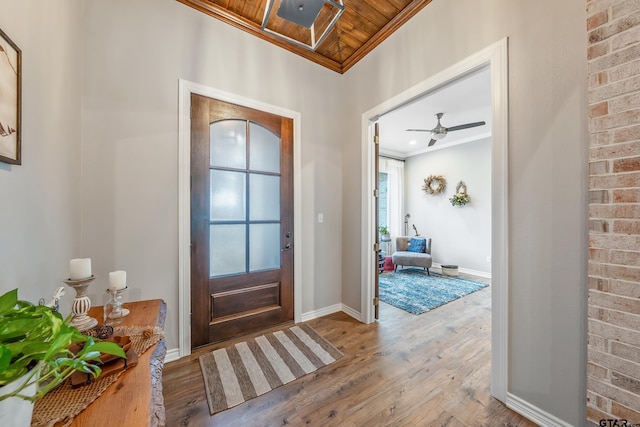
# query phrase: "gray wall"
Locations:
[[547, 172], [40, 200], [460, 235]]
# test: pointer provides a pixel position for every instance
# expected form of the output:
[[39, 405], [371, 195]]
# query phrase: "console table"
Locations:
[[136, 398]]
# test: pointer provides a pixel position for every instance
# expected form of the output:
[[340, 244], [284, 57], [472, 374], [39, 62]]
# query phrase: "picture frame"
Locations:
[[10, 101]]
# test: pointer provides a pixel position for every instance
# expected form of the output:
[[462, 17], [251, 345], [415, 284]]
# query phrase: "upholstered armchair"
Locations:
[[412, 252]]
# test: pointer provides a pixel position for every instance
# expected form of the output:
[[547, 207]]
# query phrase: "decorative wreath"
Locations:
[[434, 184]]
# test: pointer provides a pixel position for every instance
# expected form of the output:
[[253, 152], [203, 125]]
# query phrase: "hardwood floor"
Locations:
[[405, 370]]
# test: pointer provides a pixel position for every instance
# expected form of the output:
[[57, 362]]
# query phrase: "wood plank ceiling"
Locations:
[[363, 25]]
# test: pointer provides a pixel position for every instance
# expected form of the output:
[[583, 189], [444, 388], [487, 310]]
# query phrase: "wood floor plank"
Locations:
[[405, 370]]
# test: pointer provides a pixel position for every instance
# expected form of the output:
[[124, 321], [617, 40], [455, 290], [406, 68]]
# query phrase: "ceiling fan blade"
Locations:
[[433, 141], [465, 126], [418, 130]]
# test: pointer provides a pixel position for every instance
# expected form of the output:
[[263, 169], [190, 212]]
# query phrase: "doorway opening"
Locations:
[[494, 58]]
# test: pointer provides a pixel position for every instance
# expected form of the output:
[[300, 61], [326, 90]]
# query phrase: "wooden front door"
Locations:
[[241, 220]]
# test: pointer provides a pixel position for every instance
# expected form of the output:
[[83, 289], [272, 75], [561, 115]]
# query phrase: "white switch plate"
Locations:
[[320, 217], [488, 259]]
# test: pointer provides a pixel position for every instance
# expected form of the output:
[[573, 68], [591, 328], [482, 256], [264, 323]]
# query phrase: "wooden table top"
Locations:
[[133, 399]]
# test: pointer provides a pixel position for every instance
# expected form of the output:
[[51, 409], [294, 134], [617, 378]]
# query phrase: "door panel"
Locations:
[[241, 221], [376, 156]]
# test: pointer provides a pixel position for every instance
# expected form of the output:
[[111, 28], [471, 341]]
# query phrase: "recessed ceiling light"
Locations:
[[413, 142]]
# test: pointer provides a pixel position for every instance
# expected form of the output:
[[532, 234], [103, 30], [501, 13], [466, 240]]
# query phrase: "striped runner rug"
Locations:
[[235, 374]]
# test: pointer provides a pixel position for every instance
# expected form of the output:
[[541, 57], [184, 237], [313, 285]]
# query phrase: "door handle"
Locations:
[[287, 247]]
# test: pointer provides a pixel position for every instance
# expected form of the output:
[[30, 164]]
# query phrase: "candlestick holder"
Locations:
[[81, 304], [119, 292], [113, 309]]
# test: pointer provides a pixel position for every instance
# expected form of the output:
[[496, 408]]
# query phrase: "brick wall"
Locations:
[[613, 370]]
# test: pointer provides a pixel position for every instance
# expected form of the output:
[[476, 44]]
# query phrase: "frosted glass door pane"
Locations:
[[264, 241], [227, 249], [228, 143], [228, 196], [265, 197], [264, 150]]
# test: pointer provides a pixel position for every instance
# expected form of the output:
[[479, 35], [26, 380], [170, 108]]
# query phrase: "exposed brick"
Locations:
[[599, 196], [617, 211], [626, 227], [627, 165], [620, 318], [624, 257], [595, 415], [610, 121], [600, 138], [625, 39], [631, 133], [617, 394], [624, 102], [600, 109], [614, 241], [599, 167], [614, 302], [615, 365], [631, 195], [627, 180], [598, 401], [599, 225], [614, 59], [598, 343], [625, 382], [596, 282], [595, 6], [623, 71], [596, 20], [597, 50], [624, 413], [622, 8], [621, 272], [625, 351], [615, 151], [598, 79], [597, 371], [599, 255], [613, 90], [623, 287]]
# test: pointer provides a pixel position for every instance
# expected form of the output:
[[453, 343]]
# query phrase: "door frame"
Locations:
[[185, 89], [494, 56]]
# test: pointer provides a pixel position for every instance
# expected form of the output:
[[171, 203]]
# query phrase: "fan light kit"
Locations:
[[439, 132]]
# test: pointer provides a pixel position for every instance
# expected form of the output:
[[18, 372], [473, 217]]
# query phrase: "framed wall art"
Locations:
[[10, 100]]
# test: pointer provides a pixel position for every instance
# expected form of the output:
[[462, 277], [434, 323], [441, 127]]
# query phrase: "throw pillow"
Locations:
[[417, 245]]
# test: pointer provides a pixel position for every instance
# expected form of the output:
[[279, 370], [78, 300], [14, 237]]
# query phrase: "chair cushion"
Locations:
[[417, 245]]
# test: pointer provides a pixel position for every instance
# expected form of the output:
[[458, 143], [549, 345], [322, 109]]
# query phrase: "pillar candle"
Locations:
[[117, 280], [80, 268]]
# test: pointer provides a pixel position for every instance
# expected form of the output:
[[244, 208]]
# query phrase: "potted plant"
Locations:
[[35, 356], [384, 231]]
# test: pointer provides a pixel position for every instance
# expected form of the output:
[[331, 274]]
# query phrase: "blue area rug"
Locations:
[[412, 290]]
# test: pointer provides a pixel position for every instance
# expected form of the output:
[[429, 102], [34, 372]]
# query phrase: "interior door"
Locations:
[[241, 220], [376, 194]]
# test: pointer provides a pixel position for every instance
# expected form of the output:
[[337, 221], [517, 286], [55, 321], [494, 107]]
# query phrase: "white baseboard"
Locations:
[[321, 312], [533, 413], [330, 310], [351, 312], [478, 273], [172, 354]]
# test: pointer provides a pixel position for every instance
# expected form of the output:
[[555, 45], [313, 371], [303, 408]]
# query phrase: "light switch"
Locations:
[[320, 217]]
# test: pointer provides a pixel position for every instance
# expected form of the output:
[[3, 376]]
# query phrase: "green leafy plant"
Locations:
[[459, 199], [383, 230], [35, 341]]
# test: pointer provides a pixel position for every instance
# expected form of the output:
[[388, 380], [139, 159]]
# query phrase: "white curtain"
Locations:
[[395, 194]]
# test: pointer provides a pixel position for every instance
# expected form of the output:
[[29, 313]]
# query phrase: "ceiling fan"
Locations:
[[440, 131]]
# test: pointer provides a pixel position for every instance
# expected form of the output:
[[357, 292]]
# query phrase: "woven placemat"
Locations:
[[64, 403]]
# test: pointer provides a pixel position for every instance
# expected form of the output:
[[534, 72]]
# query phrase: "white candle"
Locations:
[[117, 280], [80, 268]]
